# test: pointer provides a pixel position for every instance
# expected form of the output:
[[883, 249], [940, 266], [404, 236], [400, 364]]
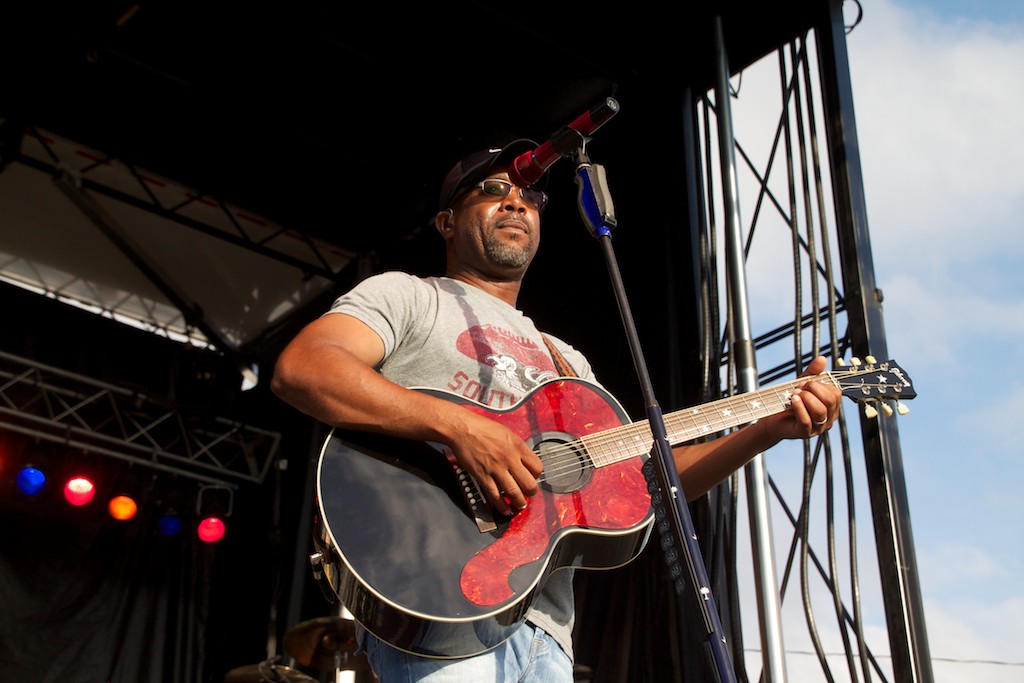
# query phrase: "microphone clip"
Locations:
[[567, 140], [594, 198]]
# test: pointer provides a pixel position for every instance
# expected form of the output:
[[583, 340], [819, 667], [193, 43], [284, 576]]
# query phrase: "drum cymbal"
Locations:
[[265, 672], [325, 643]]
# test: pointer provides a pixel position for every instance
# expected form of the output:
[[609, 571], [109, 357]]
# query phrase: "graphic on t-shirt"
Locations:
[[518, 363]]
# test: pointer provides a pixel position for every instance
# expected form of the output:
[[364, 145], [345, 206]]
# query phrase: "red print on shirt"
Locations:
[[519, 364]]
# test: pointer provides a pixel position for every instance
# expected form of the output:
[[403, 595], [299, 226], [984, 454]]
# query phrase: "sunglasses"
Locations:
[[496, 187]]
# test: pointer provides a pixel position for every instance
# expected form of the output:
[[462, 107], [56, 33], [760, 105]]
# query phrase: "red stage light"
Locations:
[[211, 530], [79, 491], [213, 506]]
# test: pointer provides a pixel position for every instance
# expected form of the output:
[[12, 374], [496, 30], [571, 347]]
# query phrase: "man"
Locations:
[[463, 333]]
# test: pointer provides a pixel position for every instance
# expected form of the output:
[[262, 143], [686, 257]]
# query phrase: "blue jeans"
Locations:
[[529, 655]]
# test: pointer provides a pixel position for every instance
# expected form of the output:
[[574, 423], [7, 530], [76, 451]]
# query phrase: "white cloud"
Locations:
[[976, 641], [999, 413], [956, 565], [942, 318], [938, 118]]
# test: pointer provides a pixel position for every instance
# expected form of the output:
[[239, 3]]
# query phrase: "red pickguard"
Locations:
[[615, 497]]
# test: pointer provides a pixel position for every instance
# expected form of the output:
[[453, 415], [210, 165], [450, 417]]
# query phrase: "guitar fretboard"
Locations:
[[635, 439]]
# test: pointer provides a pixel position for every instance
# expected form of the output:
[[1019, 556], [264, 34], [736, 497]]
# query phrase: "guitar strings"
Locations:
[[611, 446], [614, 445]]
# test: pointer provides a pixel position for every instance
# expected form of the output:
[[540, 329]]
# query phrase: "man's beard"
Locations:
[[508, 254]]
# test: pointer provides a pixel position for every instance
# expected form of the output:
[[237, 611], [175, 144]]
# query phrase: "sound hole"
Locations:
[[567, 466]]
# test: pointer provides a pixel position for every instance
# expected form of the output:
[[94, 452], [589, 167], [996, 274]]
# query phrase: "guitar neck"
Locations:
[[635, 439]]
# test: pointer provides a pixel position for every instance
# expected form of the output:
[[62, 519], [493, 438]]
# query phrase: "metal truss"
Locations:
[[810, 197], [85, 176], [135, 187], [62, 407]]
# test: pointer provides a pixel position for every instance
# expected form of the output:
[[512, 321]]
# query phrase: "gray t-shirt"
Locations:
[[444, 334]]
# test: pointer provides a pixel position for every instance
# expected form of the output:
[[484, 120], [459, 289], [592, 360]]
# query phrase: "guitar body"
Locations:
[[411, 550]]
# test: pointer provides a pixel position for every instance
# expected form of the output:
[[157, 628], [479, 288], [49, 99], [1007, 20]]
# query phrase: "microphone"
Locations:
[[528, 167]]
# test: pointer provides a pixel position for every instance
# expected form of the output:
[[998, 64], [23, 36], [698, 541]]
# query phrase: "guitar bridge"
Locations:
[[481, 511]]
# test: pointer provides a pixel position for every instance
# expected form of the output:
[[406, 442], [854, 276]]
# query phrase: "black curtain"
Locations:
[[86, 598]]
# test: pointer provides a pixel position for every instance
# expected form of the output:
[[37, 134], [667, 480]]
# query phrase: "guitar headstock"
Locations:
[[872, 382]]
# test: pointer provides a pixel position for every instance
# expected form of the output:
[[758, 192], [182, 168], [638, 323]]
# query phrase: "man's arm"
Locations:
[[327, 371], [815, 407]]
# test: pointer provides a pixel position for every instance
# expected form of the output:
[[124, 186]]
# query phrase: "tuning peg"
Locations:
[[840, 362], [870, 359], [902, 408], [870, 412], [887, 409], [855, 362]]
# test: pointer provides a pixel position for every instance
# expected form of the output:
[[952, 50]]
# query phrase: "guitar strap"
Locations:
[[564, 369]]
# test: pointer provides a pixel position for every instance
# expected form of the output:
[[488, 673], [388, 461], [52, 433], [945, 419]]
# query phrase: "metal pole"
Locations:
[[742, 351], [908, 640]]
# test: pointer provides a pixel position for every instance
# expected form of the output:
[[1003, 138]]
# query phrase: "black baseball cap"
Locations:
[[475, 167]]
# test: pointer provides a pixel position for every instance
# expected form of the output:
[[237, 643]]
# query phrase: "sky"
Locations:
[[939, 100], [939, 97]]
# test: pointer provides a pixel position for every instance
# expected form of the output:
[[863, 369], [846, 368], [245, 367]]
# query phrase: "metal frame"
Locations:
[[65, 408], [857, 299], [83, 183]]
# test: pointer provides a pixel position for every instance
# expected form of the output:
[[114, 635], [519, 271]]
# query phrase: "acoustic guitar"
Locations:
[[413, 550]]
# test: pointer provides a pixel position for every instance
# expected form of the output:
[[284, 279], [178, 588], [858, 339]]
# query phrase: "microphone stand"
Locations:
[[672, 516]]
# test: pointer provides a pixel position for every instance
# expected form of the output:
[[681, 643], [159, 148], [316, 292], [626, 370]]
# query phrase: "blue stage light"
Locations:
[[170, 524], [31, 480]]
